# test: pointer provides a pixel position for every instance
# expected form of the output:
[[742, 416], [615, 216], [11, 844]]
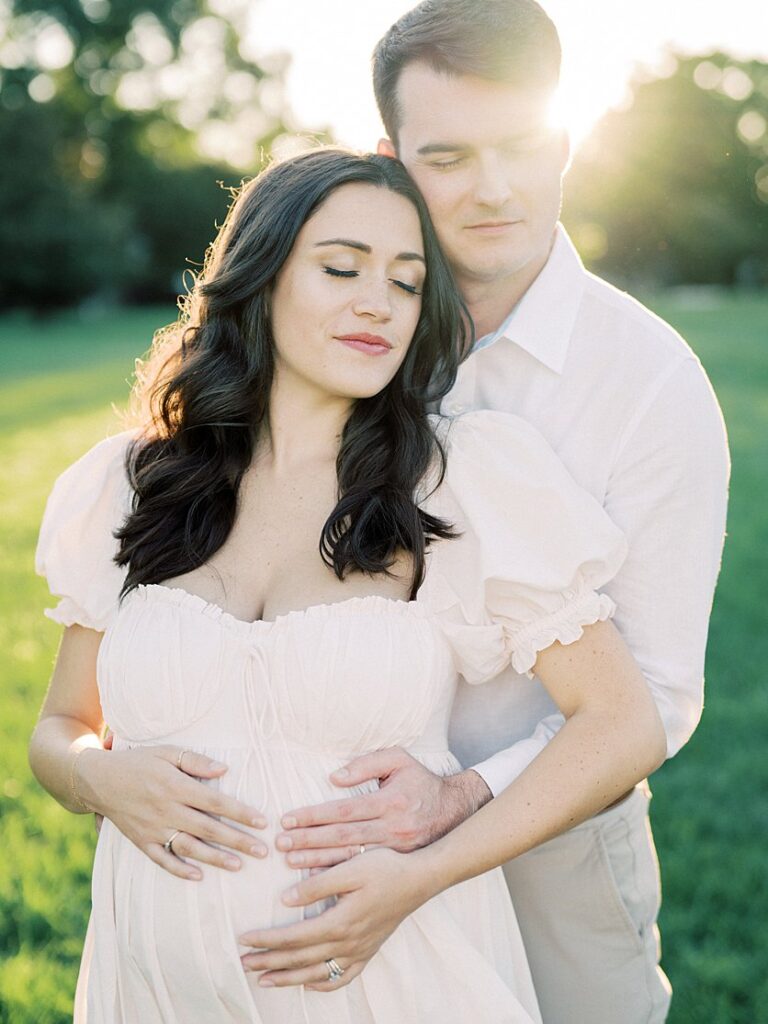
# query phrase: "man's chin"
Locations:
[[488, 272]]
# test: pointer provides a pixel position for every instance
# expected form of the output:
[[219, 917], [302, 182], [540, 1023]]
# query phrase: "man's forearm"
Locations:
[[466, 793]]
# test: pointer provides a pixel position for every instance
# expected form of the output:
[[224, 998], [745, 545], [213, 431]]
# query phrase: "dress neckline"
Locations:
[[367, 602]]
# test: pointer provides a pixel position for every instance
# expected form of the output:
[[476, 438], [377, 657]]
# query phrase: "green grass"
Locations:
[[710, 809]]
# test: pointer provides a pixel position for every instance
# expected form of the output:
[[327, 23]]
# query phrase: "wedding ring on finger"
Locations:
[[334, 971], [178, 759], [362, 848], [168, 844]]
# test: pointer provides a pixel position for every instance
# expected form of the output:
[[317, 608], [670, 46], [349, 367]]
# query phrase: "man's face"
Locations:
[[490, 168]]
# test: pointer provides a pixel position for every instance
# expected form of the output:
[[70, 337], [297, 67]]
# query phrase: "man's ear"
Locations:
[[385, 148]]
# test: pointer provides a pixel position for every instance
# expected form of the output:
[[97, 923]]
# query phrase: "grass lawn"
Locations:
[[710, 808]]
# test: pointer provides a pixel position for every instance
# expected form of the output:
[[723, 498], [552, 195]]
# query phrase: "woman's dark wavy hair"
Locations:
[[204, 392]]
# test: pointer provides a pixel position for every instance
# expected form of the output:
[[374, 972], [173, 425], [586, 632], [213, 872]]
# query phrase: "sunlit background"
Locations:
[[330, 43], [123, 126], [118, 120]]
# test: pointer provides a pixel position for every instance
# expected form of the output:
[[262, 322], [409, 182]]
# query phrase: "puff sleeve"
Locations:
[[76, 546], [534, 551]]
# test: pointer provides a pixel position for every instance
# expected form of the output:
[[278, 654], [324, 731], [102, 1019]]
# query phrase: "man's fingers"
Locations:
[[365, 807], [376, 765], [324, 837], [316, 859]]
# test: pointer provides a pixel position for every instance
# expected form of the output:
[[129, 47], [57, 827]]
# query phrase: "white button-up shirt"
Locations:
[[628, 408]]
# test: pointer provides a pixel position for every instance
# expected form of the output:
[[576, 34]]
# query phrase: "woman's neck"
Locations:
[[303, 425]]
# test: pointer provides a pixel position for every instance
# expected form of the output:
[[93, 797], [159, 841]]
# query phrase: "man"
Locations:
[[463, 88]]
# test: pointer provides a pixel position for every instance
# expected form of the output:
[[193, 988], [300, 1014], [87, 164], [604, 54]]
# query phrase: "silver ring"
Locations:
[[334, 971], [362, 848], [168, 844]]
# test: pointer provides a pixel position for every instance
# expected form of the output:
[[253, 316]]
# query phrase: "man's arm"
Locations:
[[668, 494]]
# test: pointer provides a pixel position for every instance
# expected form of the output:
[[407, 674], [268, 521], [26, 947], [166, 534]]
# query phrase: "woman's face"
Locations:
[[346, 303]]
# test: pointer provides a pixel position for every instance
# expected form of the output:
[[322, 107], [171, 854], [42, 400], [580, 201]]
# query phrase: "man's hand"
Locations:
[[376, 891], [412, 808]]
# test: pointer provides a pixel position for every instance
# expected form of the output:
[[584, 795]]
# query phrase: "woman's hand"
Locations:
[[376, 890], [149, 793]]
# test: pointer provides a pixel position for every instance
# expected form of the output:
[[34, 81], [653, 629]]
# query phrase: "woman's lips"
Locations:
[[371, 344]]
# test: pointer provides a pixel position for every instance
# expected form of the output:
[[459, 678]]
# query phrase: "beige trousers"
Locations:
[[587, 904]]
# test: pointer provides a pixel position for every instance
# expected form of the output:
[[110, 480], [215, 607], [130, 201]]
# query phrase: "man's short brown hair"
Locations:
[[511, 41]]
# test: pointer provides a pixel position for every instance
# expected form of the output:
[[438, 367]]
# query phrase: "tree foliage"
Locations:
[[674, 189], [117, 121]]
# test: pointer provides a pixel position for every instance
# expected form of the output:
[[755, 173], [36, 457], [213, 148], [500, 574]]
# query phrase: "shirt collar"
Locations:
[[542, 321]]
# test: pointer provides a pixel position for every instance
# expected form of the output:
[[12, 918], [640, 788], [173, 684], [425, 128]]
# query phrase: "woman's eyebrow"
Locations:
[[362, 247], [349, 242]]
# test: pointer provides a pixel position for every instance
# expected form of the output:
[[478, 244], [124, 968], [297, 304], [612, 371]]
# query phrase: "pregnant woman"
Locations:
[[289, 563]]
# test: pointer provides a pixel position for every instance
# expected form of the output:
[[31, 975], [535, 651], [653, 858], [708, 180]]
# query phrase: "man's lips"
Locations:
[[492, 225], [372, 344]]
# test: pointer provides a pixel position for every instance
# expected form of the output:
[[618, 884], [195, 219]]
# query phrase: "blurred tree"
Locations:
[[116, 122], [674, 188]]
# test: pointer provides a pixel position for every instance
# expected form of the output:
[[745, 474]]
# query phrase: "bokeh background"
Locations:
[[122, 127]]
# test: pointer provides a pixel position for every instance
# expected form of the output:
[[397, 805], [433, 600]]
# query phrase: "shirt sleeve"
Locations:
[[534, 552], [668, 492], [76, 545]]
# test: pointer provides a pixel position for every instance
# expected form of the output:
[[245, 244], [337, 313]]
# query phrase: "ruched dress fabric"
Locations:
[[285, 702]]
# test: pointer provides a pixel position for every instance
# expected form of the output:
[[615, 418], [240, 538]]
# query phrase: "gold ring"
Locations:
[[168, 844], [178, 759]]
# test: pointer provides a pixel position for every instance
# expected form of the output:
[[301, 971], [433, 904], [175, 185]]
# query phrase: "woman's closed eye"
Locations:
[[340, 273], [411, 289]]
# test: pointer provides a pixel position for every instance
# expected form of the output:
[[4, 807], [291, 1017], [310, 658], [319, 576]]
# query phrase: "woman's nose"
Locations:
[[374, 302]]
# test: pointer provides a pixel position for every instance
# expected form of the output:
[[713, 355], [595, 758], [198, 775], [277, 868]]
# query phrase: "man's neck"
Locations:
[[491, 302]]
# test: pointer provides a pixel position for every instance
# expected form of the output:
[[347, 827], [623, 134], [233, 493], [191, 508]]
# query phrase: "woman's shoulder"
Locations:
[[105, 458], [76, 545], [485, 447]]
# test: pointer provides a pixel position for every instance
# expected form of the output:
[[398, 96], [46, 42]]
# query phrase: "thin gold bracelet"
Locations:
[[76, 798]]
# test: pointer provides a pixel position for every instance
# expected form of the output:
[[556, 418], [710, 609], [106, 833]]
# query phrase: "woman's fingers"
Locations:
[[326, 985], [211, 830], [280, 960], [313, 976], [199, 766], [171, 863], [187, 846], [221, 805]]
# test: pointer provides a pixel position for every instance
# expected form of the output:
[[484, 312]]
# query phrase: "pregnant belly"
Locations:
[[163, 923]]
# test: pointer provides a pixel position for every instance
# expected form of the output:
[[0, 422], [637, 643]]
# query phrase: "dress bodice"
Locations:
[[337, 678]]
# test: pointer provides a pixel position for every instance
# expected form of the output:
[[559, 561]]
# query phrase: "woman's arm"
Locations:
[[142, 791], [613, 737]]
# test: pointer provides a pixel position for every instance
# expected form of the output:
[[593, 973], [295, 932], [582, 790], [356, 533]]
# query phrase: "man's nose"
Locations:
[[374, 301], [492, 187]]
